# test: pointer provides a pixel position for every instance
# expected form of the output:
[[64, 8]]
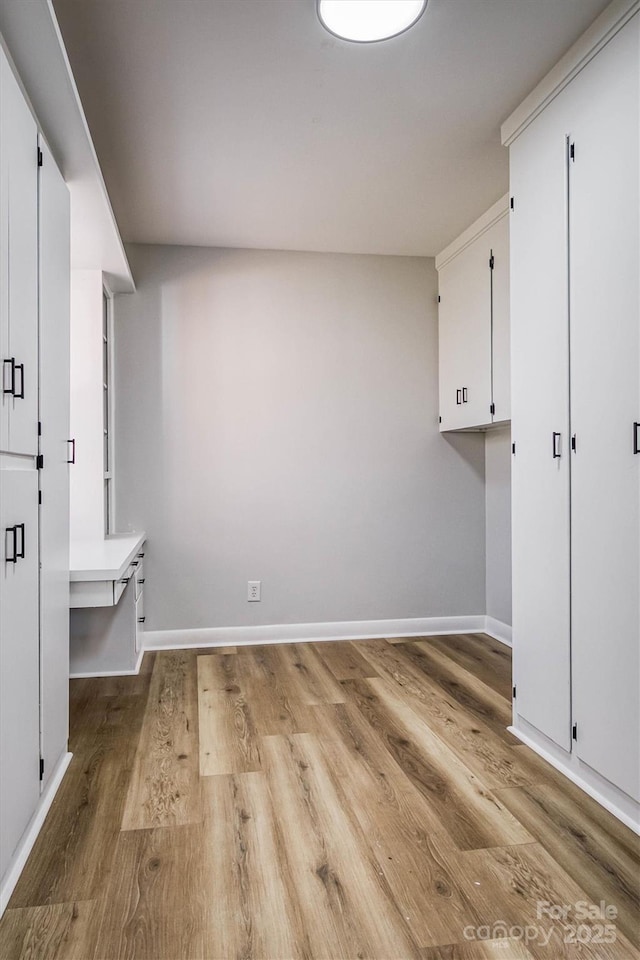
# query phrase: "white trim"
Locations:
[[311, 632], [110, 673], [623, 807], [498, 630], [610, 22], [30, 835], [496, 212]]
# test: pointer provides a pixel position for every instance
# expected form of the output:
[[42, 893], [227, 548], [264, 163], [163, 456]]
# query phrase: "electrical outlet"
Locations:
[[253, 590]]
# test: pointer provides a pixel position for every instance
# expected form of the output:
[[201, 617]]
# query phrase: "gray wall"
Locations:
[[277, 421], [498, 514]]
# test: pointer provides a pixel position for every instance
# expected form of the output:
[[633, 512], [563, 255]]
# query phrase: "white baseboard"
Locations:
[[30, 835], [312, 632], [623, 807], [110, 673], [498, 630]]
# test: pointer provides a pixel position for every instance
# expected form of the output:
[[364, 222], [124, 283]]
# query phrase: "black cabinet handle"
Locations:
[[140, 555], [16, 532], [73, 450], [13, 556], [458, 396], [464, 394], [12, 389], [12, 378], [141, 619], [141, 580], [556, 445], [636, 438], [19, 394]]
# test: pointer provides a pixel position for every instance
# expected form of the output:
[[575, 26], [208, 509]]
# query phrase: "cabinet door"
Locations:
[[54, 477], [19, 670], [19, 250], [497, 242], [540, 410], [605, 402], [465, 338]]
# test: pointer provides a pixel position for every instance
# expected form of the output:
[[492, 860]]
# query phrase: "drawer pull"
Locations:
[[141, 619]]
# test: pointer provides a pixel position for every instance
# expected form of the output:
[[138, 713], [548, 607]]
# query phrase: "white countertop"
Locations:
[[106, 559]]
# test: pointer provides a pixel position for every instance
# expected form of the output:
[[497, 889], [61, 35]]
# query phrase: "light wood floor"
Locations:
[[330, 800]]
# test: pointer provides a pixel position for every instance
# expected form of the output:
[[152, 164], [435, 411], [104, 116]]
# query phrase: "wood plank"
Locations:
[[157, 905], [470, 738], [345, 904], [227, 734], [399, 824], [603, 856], [90, 688], [244, 865], [509, 885], [470, 813], [471, 693], [104, 720], [58, 931], [475, 653], [344, 660], [275, 710], [479, 950], [165, 787], [74, 850], [311, 682]]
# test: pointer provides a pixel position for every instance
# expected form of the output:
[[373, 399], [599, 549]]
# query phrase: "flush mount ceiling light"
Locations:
[[366, 21]]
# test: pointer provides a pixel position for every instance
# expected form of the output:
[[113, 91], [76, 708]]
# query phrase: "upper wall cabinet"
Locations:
[[473, 284], [18, 269]]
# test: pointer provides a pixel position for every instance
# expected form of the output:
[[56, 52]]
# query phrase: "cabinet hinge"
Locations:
[[513, 448], [40, 157], [39, 462], [572, 151], [574, 731], [491, 262], [512, 203], [492, 408], [514, 693], [41, 768]]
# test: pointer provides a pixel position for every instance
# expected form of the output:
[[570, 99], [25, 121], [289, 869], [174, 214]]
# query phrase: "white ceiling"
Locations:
[[243, 123]]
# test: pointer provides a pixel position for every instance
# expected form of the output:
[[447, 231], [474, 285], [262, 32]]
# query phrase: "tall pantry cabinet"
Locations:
[[34, 491], [575, 255]]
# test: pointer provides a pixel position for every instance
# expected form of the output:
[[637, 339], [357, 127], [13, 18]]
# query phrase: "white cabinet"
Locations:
[[107, 597], [540, 427], [473, 324], [19, 654], [605, 403], [34, 497], [576, 398], [18, 268]]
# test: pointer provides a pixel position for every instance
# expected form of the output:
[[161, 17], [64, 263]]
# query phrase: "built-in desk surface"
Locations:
[[106, 559]]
